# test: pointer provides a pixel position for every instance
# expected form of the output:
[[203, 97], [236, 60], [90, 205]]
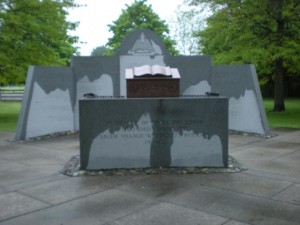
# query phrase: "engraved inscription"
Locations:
[[159, 129]]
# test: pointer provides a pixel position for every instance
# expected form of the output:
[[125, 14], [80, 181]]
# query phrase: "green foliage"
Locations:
[[33, 32], [100, 51], [139, 15], [265, 33], [247, 32]]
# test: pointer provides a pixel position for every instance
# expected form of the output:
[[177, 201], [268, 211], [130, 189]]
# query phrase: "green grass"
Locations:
[[288, 119], [9, 112]]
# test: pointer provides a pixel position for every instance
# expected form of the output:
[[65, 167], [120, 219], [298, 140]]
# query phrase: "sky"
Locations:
[[95, 15]]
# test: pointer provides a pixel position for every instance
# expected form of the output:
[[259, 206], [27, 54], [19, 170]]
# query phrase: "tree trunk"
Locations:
[[279, 68], [279, 105]]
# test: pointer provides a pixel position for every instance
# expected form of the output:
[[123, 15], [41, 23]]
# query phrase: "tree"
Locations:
[[139, 15], [265, 33], [33, 32], [100, 51], [185, 24]]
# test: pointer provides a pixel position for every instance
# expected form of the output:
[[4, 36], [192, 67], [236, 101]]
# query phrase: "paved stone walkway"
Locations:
[[32, 191]]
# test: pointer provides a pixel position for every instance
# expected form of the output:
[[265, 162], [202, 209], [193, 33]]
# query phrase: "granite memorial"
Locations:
[[52, 94], [153, 132]]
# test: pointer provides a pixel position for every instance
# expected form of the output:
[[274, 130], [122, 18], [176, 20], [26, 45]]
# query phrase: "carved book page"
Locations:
[[142, 71], [147, 70]]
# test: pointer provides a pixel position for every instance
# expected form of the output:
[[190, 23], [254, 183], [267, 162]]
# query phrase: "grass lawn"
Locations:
[[288, 119], [9, 112]]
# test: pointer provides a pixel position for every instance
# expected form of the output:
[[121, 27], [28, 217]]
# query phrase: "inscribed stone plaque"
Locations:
[[168, 132]]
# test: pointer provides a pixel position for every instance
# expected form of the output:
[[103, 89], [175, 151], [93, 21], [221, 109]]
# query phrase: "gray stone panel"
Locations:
[[94, 67], [48, 101], [129, 133], [195, 72], [96, 74], [142, 42], [246, 111]]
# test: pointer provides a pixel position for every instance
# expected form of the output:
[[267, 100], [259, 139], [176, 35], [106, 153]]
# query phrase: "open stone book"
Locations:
[[152, 71], [149, 71]]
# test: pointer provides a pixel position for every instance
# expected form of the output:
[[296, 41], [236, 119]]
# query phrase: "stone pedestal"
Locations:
[[152, 87], [153, 132]]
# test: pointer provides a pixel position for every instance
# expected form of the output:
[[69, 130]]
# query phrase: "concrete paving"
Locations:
[[32, 191]]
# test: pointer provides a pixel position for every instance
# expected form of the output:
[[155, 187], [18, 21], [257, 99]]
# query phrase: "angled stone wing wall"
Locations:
[[48, 102], [240, 84]]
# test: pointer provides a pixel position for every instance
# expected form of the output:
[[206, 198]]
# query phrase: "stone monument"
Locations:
[[153, 127], [153, 132], [52, 94]]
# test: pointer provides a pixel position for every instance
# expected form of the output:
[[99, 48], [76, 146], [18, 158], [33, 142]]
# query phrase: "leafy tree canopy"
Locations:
[[33, 32], [139, 15], [100, 51], [265, 33]]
